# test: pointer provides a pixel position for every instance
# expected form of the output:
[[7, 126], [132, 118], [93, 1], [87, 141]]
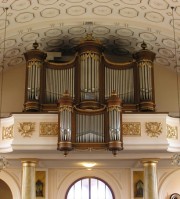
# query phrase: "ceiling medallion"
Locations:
[[131, 2], [76, 10], [159, 5], [20, 5], [24, 17], [47, 2], [154, 17], [128, 12], [50, 12], [102, 10]]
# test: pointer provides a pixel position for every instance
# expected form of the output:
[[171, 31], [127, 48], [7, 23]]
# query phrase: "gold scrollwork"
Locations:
[[66, 108], [153, 129], [7, 132], [48, 129], [172, 132], [26, 128], [131, 128], [114, 108]]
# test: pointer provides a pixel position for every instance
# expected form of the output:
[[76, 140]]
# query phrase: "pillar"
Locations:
[[150, 178], [28, 178]]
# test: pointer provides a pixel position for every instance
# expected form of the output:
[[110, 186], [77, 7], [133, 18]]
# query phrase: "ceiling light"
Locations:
[[89, 165]]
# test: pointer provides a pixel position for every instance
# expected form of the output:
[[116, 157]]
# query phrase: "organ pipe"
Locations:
[[35, 59], [65, 108], [114, 121], [90, 128], [57, 82], [89, 66], [145, 60], [121, 80]]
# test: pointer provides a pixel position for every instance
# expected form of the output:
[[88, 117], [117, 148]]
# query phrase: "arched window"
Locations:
[[89, 188]]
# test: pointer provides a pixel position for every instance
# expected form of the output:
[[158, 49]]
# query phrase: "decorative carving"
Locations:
[[26, 128], [153, 129], [7, 132], [131, 128], [48, 129], [172, 132]]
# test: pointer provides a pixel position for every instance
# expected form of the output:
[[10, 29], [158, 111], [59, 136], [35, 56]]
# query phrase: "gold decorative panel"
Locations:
[[172, 132], [131, 128], [7, 132], [26, 128], [153, 129], [48, 129]]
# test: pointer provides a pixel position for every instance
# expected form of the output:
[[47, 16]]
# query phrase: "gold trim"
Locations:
[[65, 108], [131, 128], [172, 132], [153, 129], [7, 132], [114, 108], [117, 64], [89, 110], [49, 129], [26, 128]]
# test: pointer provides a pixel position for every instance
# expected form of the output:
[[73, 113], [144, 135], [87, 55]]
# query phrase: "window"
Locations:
[[89, 188]]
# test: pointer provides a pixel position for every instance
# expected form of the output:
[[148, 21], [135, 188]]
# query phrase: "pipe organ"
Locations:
[[89, 93]]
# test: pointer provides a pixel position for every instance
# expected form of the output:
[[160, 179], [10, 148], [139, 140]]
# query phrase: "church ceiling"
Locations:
[[121, 26]]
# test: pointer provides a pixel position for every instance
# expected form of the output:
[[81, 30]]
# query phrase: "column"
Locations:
[[28, 178], [150, 178]]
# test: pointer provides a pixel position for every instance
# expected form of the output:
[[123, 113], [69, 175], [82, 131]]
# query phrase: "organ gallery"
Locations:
[[89, 93]]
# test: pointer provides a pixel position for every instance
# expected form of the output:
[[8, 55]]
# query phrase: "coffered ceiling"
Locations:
[[121, 25]]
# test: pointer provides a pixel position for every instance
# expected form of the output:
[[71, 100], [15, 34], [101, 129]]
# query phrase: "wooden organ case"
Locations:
[[89, 94]]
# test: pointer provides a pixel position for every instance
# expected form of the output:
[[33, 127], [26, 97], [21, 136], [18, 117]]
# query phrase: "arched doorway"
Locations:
[[5, 190], [89, 188], [12, 185]]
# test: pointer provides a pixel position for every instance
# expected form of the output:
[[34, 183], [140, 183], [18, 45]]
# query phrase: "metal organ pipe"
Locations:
[[89, 128], [89, 73], [145, 81], [33, 87], [114, 112], [122, 81], [57, 82]]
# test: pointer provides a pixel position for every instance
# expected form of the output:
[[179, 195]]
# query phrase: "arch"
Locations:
[[11, 183], [74, 176], [168, 185], [90, 182]]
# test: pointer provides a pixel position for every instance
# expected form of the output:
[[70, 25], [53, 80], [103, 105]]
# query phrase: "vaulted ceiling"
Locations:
[[121, 25]]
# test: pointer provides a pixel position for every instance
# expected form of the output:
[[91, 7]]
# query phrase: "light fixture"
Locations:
[[89, 165], [3, 163]]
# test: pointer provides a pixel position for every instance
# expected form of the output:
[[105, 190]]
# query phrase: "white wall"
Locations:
[[165, 89], [13, 89], [169, 182]]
